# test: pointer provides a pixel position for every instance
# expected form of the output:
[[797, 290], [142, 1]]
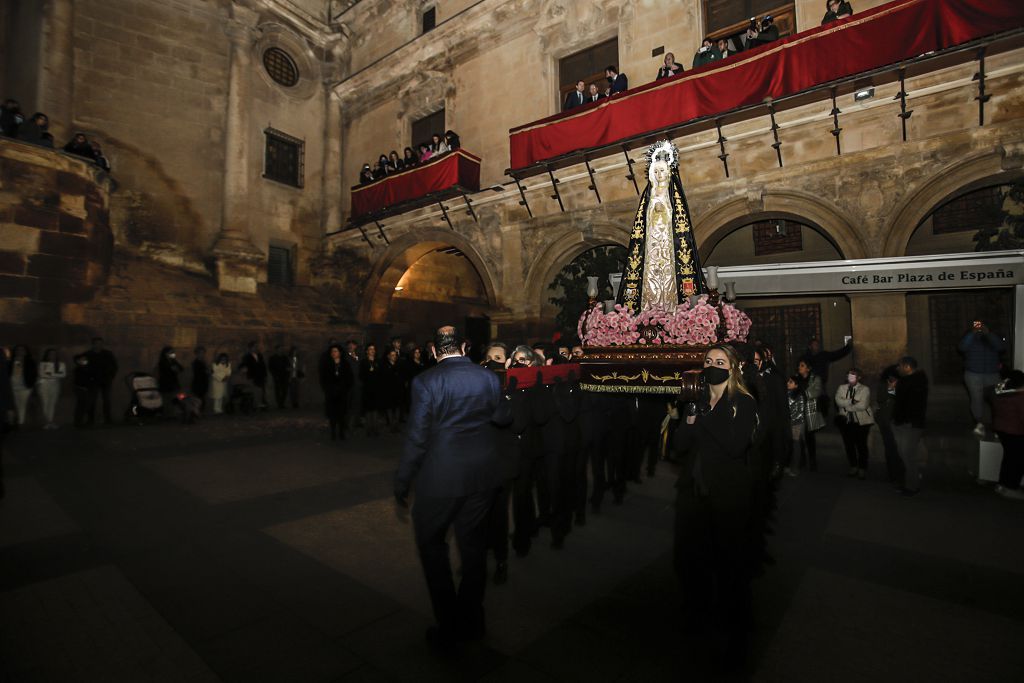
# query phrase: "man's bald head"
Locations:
[[447, 341]]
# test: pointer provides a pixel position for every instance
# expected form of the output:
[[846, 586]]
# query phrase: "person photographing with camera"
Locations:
[[981, 350], [761, 33], [854, 421], [713, 503]]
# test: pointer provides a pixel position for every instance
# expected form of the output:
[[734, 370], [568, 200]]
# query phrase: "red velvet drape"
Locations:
[[887, 34], [456, 168]]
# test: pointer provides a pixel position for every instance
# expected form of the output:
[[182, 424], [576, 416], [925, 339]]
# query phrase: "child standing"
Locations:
[[797, 424]]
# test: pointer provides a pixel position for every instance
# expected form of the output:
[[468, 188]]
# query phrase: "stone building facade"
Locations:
[[180, 95]]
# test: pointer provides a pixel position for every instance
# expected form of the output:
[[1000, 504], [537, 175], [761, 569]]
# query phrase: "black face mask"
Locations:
[[494, 365], [713, 375]]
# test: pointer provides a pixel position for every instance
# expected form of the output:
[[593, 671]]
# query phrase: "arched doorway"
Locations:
[[970, 219], [786, 323], [422, 282], [567, 290]]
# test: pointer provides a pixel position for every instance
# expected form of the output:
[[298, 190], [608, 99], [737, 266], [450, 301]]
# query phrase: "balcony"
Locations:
[[456, 173], [889, 44]]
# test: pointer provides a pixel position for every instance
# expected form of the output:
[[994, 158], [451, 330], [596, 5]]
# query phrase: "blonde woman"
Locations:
[[713, 504], [855, 419]]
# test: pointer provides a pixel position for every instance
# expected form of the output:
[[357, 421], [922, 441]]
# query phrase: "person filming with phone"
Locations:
[[981, 349]]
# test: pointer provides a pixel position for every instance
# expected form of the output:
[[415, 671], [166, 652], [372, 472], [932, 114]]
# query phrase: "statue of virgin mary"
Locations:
[[662, 263]]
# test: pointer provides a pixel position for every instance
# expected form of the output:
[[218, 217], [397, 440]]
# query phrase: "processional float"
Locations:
[[652, 337]]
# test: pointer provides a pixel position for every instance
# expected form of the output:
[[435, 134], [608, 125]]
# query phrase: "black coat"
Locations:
[[390, 386], [255, 368], [768, 35], [573, 99], [335, 380], [716, 445], [369, 377], [619, 84], [167, 374], [200, 378], [665, 72], [911, 403], [278, 366], [103, 365], [6, 393], [451, 448]]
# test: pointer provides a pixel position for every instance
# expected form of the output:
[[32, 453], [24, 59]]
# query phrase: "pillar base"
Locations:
[[239, 263]]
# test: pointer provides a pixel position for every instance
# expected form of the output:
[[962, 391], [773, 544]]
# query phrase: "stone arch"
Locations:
[[562, 251], [713, 225], [399, 257], [955, 179]]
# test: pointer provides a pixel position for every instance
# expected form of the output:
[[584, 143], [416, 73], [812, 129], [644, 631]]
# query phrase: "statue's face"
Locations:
[[659, 173]]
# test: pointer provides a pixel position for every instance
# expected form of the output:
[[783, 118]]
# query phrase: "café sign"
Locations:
[[910, 273]]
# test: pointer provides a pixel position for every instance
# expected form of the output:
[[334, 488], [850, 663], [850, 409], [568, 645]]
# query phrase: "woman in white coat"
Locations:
[[855, 419], [51, 375], [221, 376], [23, 380]]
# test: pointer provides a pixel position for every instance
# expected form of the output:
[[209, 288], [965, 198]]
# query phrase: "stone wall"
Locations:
[[151, 83], [55, 241]]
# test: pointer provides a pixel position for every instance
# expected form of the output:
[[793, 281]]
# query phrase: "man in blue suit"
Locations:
[[616, 82], [451, 451]]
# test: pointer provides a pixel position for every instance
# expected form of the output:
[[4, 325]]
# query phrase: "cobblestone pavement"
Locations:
[[253, 549]]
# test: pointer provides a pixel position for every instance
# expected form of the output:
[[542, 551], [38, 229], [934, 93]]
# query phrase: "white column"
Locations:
[[332, 190], [238, 259]]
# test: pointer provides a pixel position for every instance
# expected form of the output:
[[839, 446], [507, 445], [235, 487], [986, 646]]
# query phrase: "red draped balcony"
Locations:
[[896, 33], [449, 175]]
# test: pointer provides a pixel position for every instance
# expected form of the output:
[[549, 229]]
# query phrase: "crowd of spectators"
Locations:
[[712, 50], [584, 94], [36, 130], [389, 164]]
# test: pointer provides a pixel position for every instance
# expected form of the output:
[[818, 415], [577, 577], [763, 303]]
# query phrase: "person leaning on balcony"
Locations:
[[706, 54], [382, 170], [438, 145], [836, 9], [763, 33], [366, 175], [425, 152], [616, 82], [670, 67], [723, 48], [594, 93], [395, 162], [11, 118], [575, 97], [36, 131], [452, 139], [411, 159]]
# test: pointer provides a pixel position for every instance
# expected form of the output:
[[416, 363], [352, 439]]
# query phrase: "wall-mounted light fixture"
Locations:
[[863, 94]]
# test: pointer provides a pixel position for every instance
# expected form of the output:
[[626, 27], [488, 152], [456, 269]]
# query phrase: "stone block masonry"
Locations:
[[55, 240]]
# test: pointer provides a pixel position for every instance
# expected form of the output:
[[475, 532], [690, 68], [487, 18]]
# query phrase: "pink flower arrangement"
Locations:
[[685, 325]]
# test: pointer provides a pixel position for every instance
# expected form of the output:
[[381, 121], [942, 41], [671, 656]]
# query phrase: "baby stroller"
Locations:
[[146, 398]]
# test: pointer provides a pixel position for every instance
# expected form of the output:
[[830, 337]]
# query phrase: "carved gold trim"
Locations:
[[629, 389]]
